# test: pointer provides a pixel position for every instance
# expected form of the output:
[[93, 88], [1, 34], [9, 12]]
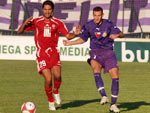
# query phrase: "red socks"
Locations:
[[56, 86], [49, 94], [55, 91]]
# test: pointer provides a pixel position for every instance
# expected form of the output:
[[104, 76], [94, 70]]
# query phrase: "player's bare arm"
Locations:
[[75, 42], [74, 34], [26, 23], [114, 36]]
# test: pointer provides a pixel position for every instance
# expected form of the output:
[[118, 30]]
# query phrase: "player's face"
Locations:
[[98, 15], [47, 11]]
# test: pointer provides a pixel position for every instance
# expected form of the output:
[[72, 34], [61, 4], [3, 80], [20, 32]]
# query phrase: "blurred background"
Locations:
[[131, 16], [20, 82]]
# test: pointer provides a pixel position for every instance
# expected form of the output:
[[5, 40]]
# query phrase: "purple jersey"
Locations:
[[99, 34]]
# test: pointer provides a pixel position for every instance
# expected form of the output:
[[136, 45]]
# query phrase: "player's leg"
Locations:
[[56, 70], [48, 87], [96, 67], [114, 89], [48, 83]]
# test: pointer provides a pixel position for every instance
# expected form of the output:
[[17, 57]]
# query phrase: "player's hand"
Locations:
[[66, 43], [78, 30], [28, 21], [113, 36]]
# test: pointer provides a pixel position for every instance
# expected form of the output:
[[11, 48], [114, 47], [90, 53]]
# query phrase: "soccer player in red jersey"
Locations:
[[47, 29]]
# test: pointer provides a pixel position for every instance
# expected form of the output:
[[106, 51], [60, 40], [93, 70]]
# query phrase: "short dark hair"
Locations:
[[98, 9], [48, 2]]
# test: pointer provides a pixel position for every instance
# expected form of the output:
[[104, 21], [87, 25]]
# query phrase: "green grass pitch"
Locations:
[[20, 82]]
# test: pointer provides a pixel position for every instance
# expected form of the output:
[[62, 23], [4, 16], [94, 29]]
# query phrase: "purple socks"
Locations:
[[114, 90], [99, 84]]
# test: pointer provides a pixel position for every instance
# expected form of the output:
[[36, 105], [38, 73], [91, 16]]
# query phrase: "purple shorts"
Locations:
[[106, 58]]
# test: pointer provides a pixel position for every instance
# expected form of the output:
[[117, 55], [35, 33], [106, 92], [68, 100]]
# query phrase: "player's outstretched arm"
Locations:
[[74, 42], [74, 34], [114, 36], [26, 23]]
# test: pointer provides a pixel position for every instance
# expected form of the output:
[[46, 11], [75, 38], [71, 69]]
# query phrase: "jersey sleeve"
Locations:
[[85, 34], [63, 29], [114, 29], [30, 27]]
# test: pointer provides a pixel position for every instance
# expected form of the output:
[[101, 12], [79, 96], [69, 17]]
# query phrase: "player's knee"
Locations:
[[57, 77], [96, 69], [48, 80], [114, 76], [114, 73]]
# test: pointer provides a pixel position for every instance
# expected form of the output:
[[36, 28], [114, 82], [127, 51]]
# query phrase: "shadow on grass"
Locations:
[[77, 103], [132, 105]]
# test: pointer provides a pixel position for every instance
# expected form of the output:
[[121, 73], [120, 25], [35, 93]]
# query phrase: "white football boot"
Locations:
[[57, 99], [114, 108], [52, 106], [104, 100]]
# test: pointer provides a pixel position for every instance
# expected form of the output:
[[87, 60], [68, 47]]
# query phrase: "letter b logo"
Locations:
[[127, 52]]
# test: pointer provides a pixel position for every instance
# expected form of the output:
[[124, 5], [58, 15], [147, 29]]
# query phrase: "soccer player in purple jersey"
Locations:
[[102, 33]]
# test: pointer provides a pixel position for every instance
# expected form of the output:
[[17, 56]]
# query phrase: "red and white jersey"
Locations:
[[47, 31]]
